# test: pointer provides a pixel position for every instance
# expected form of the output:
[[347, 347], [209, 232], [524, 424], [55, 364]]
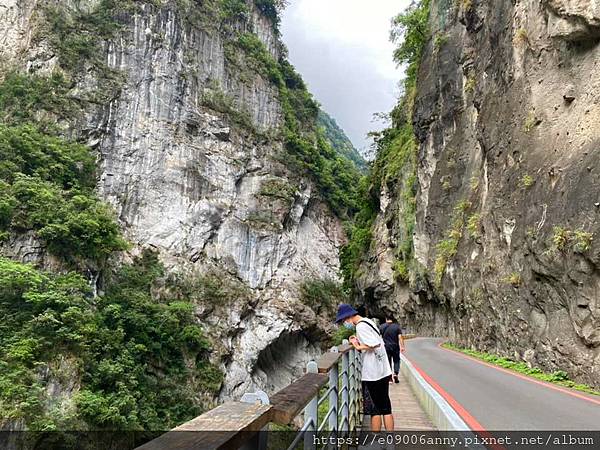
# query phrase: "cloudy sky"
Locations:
[[342, 49]]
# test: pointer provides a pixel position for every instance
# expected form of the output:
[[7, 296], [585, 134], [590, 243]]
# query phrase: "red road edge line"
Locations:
[[524, 377], [472, 423]]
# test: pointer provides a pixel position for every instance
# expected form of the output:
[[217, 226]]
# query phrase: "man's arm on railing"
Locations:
[[358, 346]]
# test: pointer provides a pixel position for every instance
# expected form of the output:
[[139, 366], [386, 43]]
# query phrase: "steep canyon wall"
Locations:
[[187, 124], [506, 116]]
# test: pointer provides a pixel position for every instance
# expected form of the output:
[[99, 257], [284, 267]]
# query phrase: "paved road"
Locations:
[[500, 400]]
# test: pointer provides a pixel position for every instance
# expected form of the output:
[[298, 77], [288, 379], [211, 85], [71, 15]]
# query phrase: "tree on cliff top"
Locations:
[[272, 9], [410, 30]]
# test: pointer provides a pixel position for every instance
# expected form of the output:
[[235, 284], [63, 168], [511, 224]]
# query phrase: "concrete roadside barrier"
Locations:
[[443, 416]]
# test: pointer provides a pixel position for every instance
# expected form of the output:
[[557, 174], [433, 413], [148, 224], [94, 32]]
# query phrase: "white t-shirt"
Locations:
[[375, 364]]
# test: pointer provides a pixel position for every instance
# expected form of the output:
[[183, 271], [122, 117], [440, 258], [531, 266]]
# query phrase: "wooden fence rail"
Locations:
[[236, 424]]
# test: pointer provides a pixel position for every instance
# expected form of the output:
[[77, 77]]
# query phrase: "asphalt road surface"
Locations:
[[496, 400]]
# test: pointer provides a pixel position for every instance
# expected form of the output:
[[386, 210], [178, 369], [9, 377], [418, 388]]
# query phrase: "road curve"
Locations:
[[497, 399]]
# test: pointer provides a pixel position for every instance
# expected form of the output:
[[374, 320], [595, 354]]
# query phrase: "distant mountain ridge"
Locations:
[[340, 141]]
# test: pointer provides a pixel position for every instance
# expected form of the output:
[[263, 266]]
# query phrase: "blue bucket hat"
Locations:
[[344, 311]]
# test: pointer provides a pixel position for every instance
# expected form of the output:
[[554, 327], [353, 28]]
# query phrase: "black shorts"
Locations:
[[376, 397]]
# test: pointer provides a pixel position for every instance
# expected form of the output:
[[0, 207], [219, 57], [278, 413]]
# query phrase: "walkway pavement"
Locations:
[[408, 414]]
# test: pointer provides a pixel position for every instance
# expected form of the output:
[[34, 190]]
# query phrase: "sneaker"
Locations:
[[396, 379]]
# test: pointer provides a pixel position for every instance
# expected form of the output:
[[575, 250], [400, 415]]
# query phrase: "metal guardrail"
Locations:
[[335, 378], [343, 395]]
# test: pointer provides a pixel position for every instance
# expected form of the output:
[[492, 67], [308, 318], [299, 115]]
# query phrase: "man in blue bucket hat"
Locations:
[[376, 370]]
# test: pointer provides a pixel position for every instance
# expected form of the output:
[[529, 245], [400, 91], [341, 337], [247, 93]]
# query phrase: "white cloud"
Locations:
[[342, 49]]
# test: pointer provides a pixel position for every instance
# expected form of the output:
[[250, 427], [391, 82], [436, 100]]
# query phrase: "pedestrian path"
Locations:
[[408, 414]]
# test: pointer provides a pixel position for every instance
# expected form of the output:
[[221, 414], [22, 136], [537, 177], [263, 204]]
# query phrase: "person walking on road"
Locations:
[[394, 343], [376, 370]]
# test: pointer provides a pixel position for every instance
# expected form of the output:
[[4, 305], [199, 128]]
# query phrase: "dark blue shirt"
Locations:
[[390, 333]]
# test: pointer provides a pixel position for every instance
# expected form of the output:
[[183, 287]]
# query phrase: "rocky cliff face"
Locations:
[[187, 131], [505, 242]]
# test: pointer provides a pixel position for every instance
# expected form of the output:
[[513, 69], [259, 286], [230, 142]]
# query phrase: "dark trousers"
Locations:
[[393, 355], [376, 397]]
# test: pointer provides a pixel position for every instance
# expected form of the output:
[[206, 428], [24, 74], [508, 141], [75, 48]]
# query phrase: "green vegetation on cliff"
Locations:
[[411, 30], [46, 186], [130, 358], [127, 358], [308, 148], [43, 99], [312, 150], [359, 233], [322, 295], [446, 249], [240, 9], [103, 344], [46, 181], [339, 141], [395, 163]]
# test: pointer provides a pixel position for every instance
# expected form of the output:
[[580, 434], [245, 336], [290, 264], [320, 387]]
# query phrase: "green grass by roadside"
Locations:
[[559, 377]]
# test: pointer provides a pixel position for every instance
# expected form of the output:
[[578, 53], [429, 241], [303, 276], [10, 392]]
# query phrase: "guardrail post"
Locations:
[[359, 395], [311, 413], [352, 363], [333, 395], [258, 442], [345, 390]]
